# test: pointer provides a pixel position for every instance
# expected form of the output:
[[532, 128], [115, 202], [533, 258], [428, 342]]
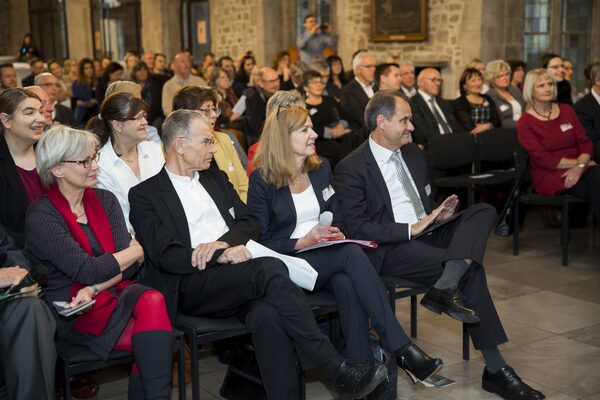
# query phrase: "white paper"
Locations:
[[364, 243], [301, 273]]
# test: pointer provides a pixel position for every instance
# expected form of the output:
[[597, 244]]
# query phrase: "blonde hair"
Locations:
[[493, 69], [275, 157], [530, 80], [124, 87]]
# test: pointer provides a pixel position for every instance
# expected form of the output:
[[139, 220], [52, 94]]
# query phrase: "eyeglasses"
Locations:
[[139, 117], [214, 110], [49, 84], [435, 80], [271, 81], [503, 75], [87, 162], [367, 65], [208, 141]]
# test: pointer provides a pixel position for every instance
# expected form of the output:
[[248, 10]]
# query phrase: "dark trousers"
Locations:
[[422, 260], [27, 348], [275, 310], [588, 188], [346, 271]]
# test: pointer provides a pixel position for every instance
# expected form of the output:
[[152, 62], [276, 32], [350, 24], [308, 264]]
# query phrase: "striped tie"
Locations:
[[407, 185]]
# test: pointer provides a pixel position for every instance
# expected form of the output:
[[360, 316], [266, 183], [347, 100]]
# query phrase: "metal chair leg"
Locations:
[[413, 317], [466, 348], [564, 235]]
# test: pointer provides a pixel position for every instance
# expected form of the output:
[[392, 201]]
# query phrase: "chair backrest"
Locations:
[[452, 150], [497, 145]]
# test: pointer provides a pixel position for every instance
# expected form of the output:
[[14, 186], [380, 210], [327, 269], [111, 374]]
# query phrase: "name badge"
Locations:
[[230, 167], [232, 212], [428, 190], [504, 107], [566, 126], [313, 111], [328, 192]]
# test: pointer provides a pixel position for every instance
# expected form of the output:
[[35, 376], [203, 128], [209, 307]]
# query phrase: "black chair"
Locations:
[[563, 201], [202, 331], [74, 360], [399, 288]]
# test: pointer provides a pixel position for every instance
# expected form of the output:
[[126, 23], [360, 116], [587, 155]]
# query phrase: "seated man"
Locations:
[[193, 227], [384, 190], [26, 333], [588, 109], [267, 84]]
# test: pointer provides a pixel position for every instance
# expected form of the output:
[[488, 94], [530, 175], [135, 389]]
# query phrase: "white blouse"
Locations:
[[307, 212]]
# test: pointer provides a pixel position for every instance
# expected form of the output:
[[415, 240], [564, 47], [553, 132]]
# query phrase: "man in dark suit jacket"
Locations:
[[26, 332], [194, 227], [356, 94], [425, 121], [588, 110], [49, 83], [256, 104], [37, 67], [384, 191]]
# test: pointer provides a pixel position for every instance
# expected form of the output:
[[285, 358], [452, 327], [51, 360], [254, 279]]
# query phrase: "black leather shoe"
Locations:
[[418, 365], [508, 385], [449, 301], [355, 380]]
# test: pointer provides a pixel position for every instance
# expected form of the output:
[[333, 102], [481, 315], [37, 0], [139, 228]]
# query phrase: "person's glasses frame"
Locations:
[[85, 163]]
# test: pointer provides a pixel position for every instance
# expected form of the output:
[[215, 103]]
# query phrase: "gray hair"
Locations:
[[59, 143], [530, 80], [357, 60], [178, 123], [382, 103], [319, 65], [406, 62], [38, 78], [285, 98], [493, 69], [123, 86]]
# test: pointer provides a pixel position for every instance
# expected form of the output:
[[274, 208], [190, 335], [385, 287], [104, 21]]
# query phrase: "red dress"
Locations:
[[547, 142]]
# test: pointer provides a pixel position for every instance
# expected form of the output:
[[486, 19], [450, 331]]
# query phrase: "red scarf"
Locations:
[[93, 321]]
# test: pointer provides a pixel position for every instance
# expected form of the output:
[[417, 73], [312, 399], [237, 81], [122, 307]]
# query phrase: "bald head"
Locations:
[[47, 105], [430, 81], [268, 80], [182, 65]]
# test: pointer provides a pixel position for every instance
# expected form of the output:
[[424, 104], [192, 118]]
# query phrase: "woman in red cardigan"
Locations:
[[558, 148]]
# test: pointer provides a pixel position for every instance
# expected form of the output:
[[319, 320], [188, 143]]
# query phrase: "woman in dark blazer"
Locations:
[[21, 126], [288, 192], [474, 110]]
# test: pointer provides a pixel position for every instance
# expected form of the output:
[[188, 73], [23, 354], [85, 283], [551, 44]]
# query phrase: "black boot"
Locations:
[[135, 391], [153, 354], [418, 365]]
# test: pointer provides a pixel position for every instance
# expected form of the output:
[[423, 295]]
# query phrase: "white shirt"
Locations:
[[153, 135], [240, 106], [596, 95], [516, 108], [367, 88], [427, 99], [204, 220], [115, 175], [307, 212], [409, 92], [402, 207]]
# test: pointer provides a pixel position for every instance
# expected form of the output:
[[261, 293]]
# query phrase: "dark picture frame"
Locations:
[[398, 20]]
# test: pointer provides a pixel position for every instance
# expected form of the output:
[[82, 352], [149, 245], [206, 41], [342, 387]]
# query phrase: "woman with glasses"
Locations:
[[90, 255], [206, 101], [127, 157], [558, 147], [553, 63], [288, 191], [221, 82], [507, 98], [474, 110], [325, 115], [21, 127]]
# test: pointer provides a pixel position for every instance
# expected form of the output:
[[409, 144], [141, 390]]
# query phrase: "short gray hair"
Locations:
[[406, 62], [123, 87], [357, 60], [531, 78], [178, 124], [59, 143], [382, 103], [285, 98], [38, 78], [493, 69]]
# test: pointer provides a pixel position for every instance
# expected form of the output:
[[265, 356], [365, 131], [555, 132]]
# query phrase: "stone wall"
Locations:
[[79, 28], [454, 36], [14, 24]]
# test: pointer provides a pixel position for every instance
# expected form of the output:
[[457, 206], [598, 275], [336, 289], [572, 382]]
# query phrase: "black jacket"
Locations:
[[13, 198], [424, 121], [588, 111]]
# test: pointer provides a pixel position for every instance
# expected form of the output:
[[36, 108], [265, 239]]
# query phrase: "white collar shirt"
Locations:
[[367, 88], [427, 99], [409, 92], [115, 175], [204, 220]]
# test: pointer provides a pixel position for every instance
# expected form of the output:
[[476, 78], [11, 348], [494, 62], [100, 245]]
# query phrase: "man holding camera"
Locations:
[[314, 39]]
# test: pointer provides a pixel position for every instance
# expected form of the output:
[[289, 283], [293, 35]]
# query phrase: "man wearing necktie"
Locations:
[[384, 192]]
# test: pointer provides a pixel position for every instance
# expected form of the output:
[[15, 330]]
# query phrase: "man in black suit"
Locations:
[[588, 110], [432, 115], [384, 190], [267, 84], [49, 83], [356, 94], [26, 332], [37, 67], [194, 227]]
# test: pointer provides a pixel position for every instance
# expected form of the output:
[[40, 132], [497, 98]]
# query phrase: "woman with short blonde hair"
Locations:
[[507, 98]]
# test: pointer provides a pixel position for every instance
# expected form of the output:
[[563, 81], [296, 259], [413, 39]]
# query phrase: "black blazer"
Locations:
[[161, 227], [462, 112], [63, 115], [365, 200], [276, 212], [10, 255], [13, 198], [588, 111], [353, 101], [424, 121], [256, 109]]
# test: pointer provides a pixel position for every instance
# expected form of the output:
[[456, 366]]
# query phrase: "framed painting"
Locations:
[[398, 20]]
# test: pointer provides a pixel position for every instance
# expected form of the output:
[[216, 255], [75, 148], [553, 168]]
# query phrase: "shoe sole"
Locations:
[[491, 388], [415, 379], [431, 306], [379, 376]]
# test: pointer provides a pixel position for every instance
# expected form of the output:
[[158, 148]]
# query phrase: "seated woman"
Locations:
[[558, 147], [221, 82], [282, 65], [207, 101], [81, 236], [474, 110], [83, 100], [518, 68], [112, 73], [553, 63], [22, 125], [289, 189], [151, 92], [337, 77], [325, 115], [126, 157], [507, 98]]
